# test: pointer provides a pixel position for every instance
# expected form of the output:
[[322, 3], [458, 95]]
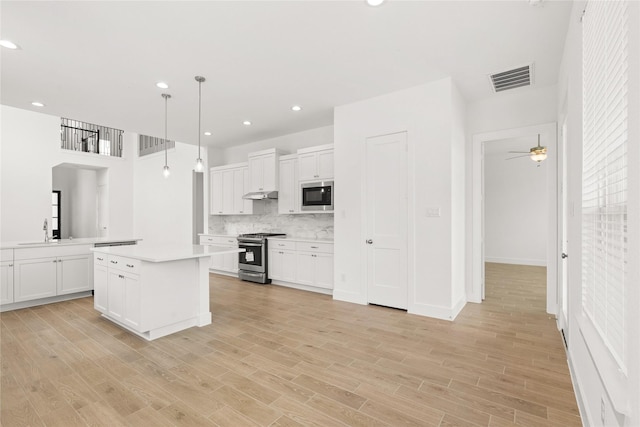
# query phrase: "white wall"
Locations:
[[433, 125], [590, 377], [516, 204], [163, 206], [29, 149]]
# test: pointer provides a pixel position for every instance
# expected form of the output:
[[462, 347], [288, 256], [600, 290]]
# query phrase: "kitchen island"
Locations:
[[154, 290]]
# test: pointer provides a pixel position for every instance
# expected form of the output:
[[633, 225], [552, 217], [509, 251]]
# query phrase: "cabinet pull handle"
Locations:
[[280, 244], [113, 262], [100, 259], [130, 265], [55, 260], [314, 247], [121, 276], [10, 265]]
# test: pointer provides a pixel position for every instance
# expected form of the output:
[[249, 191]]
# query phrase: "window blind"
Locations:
[[604, 172]]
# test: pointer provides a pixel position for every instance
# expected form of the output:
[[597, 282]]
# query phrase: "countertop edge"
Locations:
[[66, 242]]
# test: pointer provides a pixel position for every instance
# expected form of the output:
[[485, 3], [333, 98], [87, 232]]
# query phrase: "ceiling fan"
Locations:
[[537, 153]]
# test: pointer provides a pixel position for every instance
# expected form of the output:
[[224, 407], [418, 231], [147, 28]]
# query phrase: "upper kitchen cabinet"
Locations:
[[263, 170], [315, 163], [227, 186], [288, 197]]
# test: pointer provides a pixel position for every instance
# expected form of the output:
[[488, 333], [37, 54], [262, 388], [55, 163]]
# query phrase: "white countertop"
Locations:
[[65, 242], [165, 253], [302, 239]]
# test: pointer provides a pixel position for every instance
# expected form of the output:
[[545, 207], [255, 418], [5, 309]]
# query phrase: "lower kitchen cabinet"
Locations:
[[74, 274], [123, 298], [282, 265], [100, 286], [315, 269], [48, 272], [6, 276], [301, 262], [35, 278], [227, 263]]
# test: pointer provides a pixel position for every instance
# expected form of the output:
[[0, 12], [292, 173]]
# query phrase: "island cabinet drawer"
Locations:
[[218, 240], [314, 247], [129, 265], [100, 259], [6, 254], [282, 244]]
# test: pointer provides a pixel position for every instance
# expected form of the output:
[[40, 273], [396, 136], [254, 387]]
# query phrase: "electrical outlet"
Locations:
[[602, 411]]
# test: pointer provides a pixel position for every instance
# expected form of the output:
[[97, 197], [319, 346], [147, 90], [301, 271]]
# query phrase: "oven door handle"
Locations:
[[257, 245]]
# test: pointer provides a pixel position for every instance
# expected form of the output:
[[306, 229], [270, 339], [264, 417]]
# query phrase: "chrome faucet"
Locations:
[[45, 227]]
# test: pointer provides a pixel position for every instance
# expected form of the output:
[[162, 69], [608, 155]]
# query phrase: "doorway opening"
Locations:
[[539, 183]]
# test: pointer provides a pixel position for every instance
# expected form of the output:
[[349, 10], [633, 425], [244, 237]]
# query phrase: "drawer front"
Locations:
[[282, 244], [315, 247], [100, 259], [51, 251], [219, 240], [129, 265]]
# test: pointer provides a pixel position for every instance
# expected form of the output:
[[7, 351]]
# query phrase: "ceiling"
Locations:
[[99, 61]]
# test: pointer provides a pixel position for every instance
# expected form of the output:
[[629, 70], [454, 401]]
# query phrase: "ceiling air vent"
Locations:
[[511, 79]]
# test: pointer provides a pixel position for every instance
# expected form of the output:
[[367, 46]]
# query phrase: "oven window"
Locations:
[[252, 256], [316, 196]]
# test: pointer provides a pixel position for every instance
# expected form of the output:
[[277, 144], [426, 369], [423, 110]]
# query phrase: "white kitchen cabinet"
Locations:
[[6, 276], [51, 271], [120, 297], [226, 262], [315, 164], [282, 260], [301, 262], [227, 186], [100, 285], [263, 170], [289, 193], [35, 278], [74, 274]]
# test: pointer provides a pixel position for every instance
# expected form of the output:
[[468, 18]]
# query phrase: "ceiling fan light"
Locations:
[[538, 157]]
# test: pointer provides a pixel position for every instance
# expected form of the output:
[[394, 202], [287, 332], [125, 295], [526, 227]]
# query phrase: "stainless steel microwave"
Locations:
[[316, 196]]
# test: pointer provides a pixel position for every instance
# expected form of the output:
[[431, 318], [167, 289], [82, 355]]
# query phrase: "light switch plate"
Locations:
[[433, 212]]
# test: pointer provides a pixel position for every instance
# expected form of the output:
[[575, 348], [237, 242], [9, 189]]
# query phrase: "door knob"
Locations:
[[369, 241], [564, 255]]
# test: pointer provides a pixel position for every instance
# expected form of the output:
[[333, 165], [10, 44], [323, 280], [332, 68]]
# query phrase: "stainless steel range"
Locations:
[[253, 264]]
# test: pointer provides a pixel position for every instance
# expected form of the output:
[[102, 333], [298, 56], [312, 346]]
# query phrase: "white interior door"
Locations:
[[386, 220], [562, 214]]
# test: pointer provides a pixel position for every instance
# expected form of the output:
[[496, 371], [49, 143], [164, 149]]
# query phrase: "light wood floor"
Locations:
[[281, 357]]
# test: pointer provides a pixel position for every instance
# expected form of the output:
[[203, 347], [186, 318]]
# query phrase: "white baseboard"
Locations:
[[349, 297], [439, 312], [517, 261]]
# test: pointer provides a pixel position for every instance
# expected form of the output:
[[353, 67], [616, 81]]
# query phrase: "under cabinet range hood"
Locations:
[[261, 195]]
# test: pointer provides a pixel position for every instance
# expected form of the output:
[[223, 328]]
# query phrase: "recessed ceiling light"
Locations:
[[8, 44], [375, 2], [296, 108], [207, 133], [37, 104], [246, 123], [162, 85]]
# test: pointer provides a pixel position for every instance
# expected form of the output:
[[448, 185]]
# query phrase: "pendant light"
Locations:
[[200, 80], [166, 171]]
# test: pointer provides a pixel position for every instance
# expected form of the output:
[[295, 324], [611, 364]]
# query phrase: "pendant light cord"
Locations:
[[199, 114], [165, 129]]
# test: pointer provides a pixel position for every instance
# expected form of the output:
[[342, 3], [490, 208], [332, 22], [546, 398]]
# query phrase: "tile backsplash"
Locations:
[[308, 226]]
